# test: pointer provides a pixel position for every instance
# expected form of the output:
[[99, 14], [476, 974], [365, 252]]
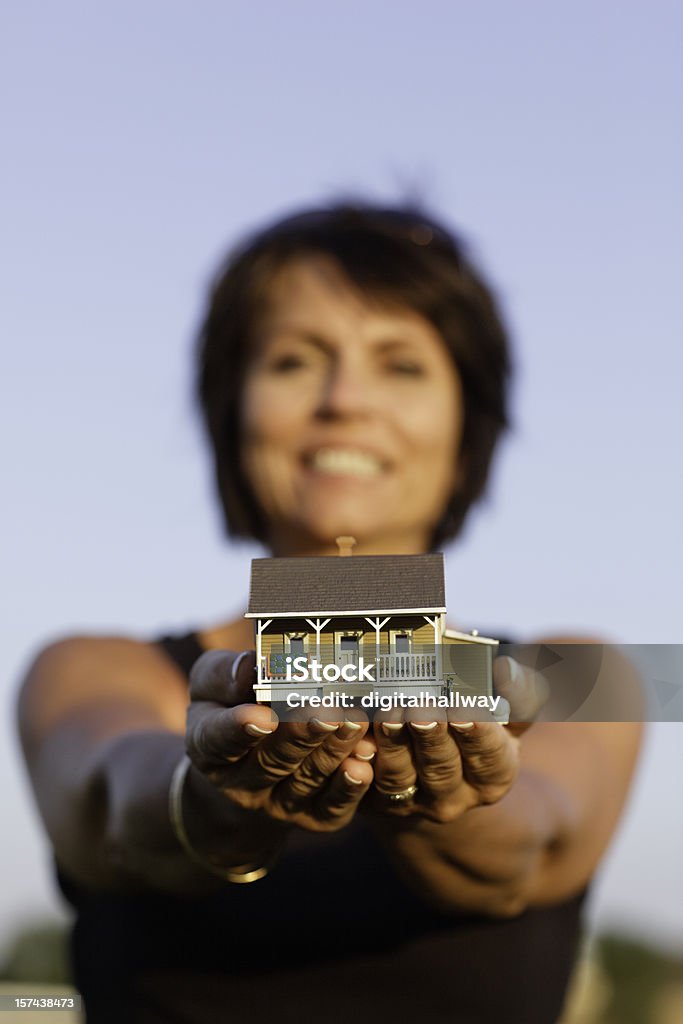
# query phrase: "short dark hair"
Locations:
[[397, 255]]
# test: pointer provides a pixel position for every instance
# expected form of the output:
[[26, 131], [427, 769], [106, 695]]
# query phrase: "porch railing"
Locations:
[[389, 666], [406, 666]]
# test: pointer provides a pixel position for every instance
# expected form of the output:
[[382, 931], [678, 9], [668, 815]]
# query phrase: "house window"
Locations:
[[402, 642], [296, 646], [349, 645]]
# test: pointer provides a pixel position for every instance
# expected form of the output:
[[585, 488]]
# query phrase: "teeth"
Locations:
[[346, 461]]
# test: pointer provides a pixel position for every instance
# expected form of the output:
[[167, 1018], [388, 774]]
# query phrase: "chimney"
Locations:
[[346, 546]]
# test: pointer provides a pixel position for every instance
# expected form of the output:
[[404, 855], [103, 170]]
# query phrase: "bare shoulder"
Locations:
[[74, 672], [236, 635], [107, 654]]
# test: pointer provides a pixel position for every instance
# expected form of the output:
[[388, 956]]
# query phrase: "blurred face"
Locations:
[[352, 417]]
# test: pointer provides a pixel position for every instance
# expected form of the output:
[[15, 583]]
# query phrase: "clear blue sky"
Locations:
[[139, 139]]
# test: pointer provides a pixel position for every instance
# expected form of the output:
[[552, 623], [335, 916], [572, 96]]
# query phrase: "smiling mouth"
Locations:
[[345, 462]]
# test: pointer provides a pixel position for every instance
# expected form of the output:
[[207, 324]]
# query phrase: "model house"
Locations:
[[360, 625]]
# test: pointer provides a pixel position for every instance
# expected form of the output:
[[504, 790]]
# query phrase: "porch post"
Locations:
[[434, 623], [260, 626], [377, 626], [318, 625]]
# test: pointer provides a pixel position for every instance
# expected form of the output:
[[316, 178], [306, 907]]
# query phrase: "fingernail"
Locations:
[[325, 726], [423, 726], [391, 728], [512, 669], [502, 712], [354, 782], [364, 757], [463, 726], [348, 729], [236, 664], [256, 730]]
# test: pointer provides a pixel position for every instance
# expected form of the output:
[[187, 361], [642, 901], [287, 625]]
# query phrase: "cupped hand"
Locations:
[[312, 773], [439, 768]]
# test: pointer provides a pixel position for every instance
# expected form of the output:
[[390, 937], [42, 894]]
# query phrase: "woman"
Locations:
[[353, 378]]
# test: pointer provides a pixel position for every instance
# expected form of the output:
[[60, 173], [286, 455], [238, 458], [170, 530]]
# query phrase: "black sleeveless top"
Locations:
[[331, 935]]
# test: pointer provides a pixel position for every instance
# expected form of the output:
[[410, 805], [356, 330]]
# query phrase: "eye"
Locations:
[[286, 363], [406, 368]]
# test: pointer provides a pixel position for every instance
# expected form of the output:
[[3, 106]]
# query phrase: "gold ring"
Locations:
[[405, 794]]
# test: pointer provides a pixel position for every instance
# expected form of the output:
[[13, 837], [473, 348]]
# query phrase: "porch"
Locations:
[[386, 668]]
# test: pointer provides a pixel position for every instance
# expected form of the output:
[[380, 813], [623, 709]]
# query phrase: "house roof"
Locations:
[[331, 585]]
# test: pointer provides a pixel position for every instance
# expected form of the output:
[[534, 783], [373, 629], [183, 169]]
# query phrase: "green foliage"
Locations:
[[38, 953], [637, 974]]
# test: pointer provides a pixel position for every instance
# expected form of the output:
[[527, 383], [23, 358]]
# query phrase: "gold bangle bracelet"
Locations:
[[240, 875]]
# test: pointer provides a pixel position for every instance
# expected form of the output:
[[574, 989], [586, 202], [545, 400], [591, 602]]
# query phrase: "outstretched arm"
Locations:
[[104, 722], [500, 821]]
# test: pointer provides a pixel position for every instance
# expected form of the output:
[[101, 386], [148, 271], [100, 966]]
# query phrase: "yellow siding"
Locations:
[[424, 634], [271, 641], [274, 637]]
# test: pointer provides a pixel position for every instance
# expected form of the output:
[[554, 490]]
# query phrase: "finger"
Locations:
[[347, 787], [225, 677], [217, 735], [281, 754], [365, 749], [315, 771], [525, 690], [490, 757], [437, 757], [393, 764]]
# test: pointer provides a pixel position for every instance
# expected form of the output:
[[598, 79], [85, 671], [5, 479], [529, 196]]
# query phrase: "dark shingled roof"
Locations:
[[336, 585]]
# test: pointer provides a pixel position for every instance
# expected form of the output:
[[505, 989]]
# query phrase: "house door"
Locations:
[[297, 646], [348, 650]]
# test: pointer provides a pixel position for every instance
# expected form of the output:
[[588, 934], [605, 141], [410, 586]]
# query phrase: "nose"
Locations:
[[345, 392]]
